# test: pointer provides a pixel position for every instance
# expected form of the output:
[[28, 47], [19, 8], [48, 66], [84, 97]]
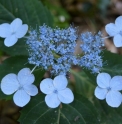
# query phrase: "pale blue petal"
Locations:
[[118, 23], [31, 89], [46, 86], [111, 29], [10, 41], [25, 77], [15, 24], [21, 98], [52, 100], [22, 30], [5, 30], [118, 40], [116, 83], [114, 98], [103, 80], [60, 82], [100, 93], [66, 96], [9, 84]]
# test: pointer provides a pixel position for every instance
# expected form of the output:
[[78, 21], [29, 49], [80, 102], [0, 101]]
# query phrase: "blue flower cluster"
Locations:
[[52, 48], [40, 49], [91, 47]]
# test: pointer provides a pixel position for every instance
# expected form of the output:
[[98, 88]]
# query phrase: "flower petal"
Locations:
[[15, 24], [31, 89], [116, 83], [103, 80], [52, 100], [25, 77], [9, 84], [100, 93], [21, 98], [118, 23], [111, 29], [65, 96], [10, 41], [22, 30], [118, 40], [60, 82], [114, 98], [5, 30], [46, 86]]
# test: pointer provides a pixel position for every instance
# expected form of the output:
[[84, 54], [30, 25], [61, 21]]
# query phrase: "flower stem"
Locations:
[[106, 37], [33, 69], [58, 116]]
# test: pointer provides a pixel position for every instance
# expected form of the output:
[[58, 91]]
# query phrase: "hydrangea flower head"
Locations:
[[91, 47], [21, 84], [108, 88], [53, 48], [56, 91], [11, 32], [115, 30]]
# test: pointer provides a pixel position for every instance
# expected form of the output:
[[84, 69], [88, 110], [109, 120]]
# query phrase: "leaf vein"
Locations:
[[32, 109], [78, 112], [41, 115], [7, 10], [65, 118]]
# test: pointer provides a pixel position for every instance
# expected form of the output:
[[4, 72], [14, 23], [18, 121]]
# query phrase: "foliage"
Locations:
[[80, 111]]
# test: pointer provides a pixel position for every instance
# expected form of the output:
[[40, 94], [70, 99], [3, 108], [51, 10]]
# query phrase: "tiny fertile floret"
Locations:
[[91, 47], [52, 48]]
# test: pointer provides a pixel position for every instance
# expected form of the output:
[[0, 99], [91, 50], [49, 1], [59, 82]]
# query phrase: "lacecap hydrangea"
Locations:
[[52, 48]]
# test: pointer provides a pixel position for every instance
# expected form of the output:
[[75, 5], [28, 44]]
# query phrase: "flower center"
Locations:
[[20, 88], [55, 91], [120, 33], [108, 88], [13, 33]]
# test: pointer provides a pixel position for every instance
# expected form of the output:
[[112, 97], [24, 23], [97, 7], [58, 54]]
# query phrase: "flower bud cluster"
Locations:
[[91, 47], [52, 48]]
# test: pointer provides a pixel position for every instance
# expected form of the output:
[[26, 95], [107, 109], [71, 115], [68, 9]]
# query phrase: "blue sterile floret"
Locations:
[[52, 48], [91, 47]]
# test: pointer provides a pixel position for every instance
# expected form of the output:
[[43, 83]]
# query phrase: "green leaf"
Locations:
[[113, 64], [83, 84], [91, 76], [81, 111], [39, 75], [20, 48], [32, 12], [109, 115], [14, 65]]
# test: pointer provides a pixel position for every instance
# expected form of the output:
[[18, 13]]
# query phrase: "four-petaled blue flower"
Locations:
[[11, 32], [56, 91], [109, 89], [21, 84], [115, 30]]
